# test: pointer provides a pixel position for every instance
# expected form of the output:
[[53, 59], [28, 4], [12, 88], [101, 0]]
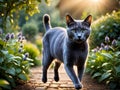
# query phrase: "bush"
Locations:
[[107, 25], [14, 65], [30, 30], [33, 53], [38, 43], [104, 63]]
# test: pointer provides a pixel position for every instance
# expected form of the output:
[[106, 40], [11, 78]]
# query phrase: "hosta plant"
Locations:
[[14, 62], [104, 63]]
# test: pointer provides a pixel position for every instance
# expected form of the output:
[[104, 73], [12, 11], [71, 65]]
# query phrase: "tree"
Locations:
[[10, 10]]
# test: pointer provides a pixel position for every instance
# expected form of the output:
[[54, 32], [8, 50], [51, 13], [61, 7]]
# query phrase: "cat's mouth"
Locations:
[[79, 41]]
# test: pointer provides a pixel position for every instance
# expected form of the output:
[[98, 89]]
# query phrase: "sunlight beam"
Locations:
[[96, 1]]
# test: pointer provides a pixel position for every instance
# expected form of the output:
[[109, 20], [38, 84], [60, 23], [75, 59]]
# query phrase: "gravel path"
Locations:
[[65, 83]]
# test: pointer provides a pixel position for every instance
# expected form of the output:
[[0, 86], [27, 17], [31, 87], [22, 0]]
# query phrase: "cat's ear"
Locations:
[[69, 19], [88, 20]]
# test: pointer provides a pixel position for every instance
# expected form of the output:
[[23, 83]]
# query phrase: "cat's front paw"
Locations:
[[44, 79], [56, 78], [78, 86]]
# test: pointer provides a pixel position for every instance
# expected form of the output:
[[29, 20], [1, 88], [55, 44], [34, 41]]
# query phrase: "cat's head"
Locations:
[[78, 30]]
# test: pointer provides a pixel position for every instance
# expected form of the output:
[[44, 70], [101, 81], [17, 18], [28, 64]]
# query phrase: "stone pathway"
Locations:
[[65, 83]]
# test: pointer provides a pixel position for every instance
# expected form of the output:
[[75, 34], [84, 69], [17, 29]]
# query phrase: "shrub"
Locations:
[[38, 43], [106, 25], [33, 53], [104, 63], [30, 30], [14, 65]]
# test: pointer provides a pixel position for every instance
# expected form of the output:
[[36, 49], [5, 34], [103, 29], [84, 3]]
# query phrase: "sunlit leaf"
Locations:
[[117, 53], [4, 52], [29, 59], [5, 84], [96, 75], [107, 55], [104, 76], [104, 64]]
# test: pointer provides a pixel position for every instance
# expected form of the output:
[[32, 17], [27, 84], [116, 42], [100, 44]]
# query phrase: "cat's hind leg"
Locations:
[[46, 61], [56, 74]]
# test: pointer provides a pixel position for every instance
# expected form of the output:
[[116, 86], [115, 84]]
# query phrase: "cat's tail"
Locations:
[[46, 22]]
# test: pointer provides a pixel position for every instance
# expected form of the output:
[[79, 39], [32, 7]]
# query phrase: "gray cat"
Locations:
[[68, 46]]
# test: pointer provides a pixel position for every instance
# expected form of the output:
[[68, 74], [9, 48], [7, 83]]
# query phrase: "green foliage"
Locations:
[[38, 43], [33, 53], [10, 9], [30, 30], [14, 65], [56, 20], [104, 64], [107, 25]]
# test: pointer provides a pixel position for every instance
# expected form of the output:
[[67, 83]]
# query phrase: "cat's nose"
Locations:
[[79, 37]]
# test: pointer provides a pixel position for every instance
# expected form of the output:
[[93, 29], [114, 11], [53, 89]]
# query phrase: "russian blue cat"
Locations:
[[66, 45]]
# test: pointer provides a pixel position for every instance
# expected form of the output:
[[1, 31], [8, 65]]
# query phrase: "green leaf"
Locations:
[[1, 60], [2, 42], [4, 52], [104, 76], [88, 70], [23, 76], [112, 85], [117, 53], [107, 55], [5, 84], [11, 71], [117, 69], [18, 70], [17, 57], [11, 80], [96, 75], [104, 64], [24, 62], [28, 59]]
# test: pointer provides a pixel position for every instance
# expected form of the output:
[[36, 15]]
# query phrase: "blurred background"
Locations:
[[15, 14]]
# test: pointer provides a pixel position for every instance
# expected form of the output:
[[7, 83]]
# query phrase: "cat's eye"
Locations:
[[73, 30]]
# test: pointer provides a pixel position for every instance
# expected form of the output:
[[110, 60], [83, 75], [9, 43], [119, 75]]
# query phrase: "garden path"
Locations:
[[65, 83]]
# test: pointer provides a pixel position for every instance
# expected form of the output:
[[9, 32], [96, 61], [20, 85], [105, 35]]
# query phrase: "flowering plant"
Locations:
[[14, 62], [104, 63]]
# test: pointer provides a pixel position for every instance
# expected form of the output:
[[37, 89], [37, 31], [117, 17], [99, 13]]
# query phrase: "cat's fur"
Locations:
[[68, 46]]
